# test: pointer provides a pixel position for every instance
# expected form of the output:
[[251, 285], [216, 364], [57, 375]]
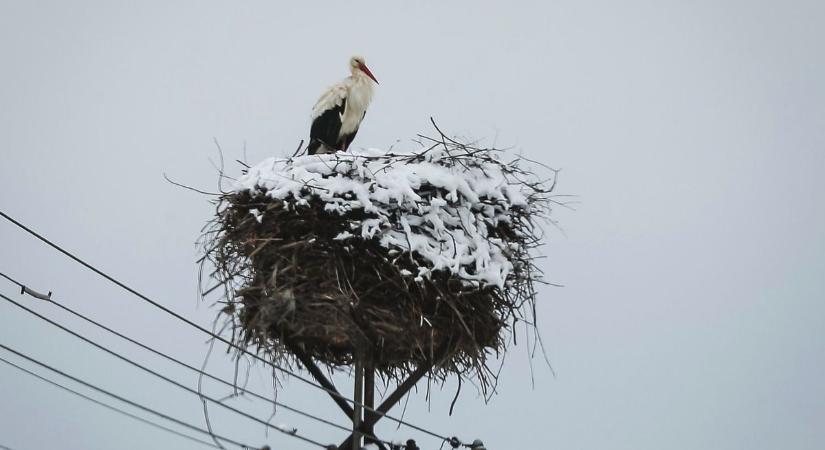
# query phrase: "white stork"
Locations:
[[339, 112]]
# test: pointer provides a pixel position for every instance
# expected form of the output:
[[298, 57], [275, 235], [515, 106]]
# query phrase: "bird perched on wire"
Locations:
[[339, 112]]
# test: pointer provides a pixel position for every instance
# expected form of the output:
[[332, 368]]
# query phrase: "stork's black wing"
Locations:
[[325, 128]]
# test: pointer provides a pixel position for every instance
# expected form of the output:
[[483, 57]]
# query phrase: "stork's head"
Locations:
[[357, 66]]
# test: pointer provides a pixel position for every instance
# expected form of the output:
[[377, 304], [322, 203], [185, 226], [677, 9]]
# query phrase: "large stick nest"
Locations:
[[399, 259]]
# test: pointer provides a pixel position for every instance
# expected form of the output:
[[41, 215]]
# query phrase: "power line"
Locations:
[[292, 432], [15, 282], [190, 367], [112, 408], [213, 335], [113, 395]]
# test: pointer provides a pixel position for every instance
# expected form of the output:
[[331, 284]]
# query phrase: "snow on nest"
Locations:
[[447, 226]]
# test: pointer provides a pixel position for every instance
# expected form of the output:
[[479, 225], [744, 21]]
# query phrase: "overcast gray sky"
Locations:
[[693, 312]]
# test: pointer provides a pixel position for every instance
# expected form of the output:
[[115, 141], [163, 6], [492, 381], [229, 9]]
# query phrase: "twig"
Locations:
[[188, 187]]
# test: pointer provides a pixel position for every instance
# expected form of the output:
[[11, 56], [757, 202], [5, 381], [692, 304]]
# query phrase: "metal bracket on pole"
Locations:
[[389, 402], [364, 395], [322, 379]]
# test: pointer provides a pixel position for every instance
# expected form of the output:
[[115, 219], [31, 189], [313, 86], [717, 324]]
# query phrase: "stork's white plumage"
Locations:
[[337, 115]]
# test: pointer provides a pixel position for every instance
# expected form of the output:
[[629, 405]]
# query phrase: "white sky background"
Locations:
[[693, 132]]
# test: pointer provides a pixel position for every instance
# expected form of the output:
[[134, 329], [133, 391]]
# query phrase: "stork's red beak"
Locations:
[[366, 70]]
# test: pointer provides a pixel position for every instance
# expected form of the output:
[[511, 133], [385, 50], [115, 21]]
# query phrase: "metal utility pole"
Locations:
[[359, 399]]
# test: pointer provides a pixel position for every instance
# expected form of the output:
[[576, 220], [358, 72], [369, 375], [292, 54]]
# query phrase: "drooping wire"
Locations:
[[288, 432], [214, 336], [193, 368], [117, 397], [112, 408]]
